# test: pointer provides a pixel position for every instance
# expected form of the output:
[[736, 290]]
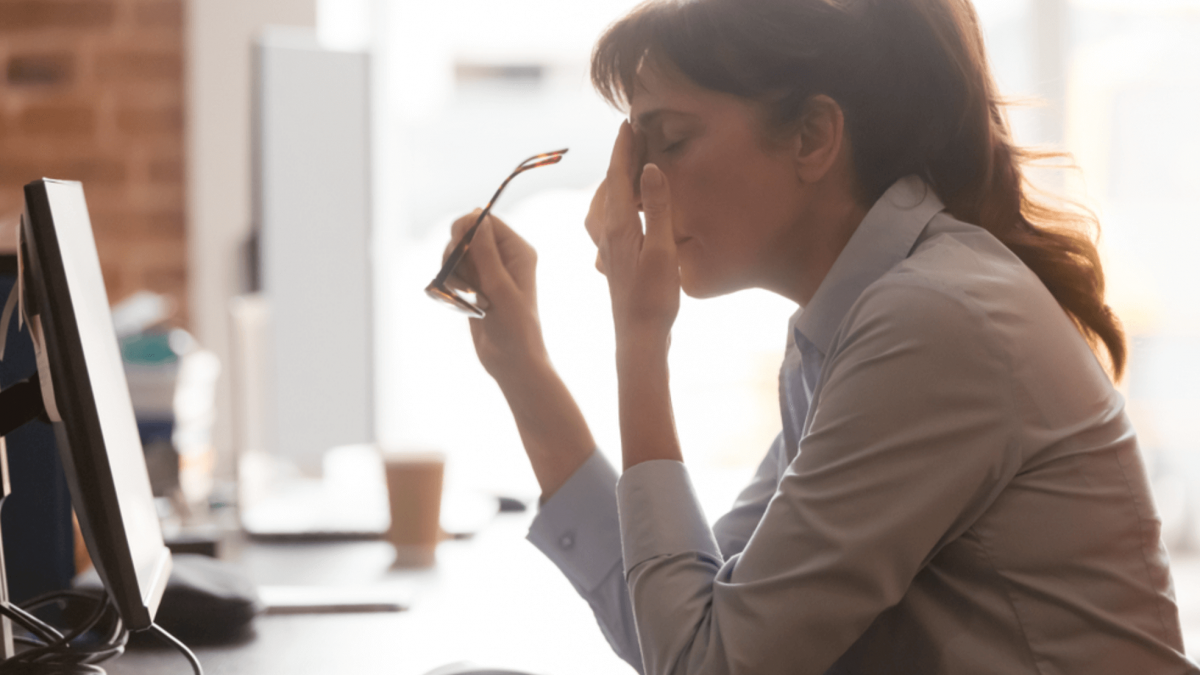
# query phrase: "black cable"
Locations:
[[61, 655], [62, 645], [21, 668], [30, 622], [62, 598], [39, 601], [115, 643], [26, 640], [53, 653], [187, 653]]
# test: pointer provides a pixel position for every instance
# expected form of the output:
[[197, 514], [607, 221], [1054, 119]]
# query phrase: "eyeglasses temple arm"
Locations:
[[459, 251]]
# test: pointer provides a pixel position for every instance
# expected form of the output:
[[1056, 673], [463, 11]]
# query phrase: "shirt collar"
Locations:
[[884, 238]]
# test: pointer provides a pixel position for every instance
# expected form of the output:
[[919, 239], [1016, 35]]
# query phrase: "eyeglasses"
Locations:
[[459, 300]]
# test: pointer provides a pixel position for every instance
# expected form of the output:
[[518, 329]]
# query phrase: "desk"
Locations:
[[494, 600]]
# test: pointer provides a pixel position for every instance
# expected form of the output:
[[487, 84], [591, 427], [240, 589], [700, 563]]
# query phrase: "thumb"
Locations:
[[656, 205]]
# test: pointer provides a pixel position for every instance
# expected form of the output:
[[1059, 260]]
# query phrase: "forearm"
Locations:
[[552, 428], [647, 417], [579, 531]]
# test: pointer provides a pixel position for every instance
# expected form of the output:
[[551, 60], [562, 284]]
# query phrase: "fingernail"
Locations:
[[652, 175]]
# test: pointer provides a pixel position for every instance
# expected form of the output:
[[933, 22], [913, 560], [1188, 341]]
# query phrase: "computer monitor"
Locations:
[[86, 398]]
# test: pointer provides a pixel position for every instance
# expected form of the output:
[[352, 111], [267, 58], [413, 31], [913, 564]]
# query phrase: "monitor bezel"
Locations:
[[81, 441]]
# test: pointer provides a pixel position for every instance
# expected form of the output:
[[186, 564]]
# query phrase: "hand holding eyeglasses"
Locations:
[[488, 272], [438, 289], [487, 257]]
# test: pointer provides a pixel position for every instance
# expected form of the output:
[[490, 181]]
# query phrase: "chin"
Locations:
[[701, 287]]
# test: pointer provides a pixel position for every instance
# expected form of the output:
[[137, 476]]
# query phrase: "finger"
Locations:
[[517, 256], [494, 279], [458, 229], [656, 204], [594, 222], [639, 162], [464, 223], [619, 181], [459, 282]]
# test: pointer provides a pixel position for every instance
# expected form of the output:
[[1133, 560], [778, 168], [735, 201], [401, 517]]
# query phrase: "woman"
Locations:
[[956, 487]]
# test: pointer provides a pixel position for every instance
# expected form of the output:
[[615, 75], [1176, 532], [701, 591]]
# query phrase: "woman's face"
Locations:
[[735, 199]]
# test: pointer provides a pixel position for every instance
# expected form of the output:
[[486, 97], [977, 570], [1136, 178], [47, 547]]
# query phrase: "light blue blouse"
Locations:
[[956, 489]]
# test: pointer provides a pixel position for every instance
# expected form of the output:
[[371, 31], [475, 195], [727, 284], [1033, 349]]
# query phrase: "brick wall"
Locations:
[[92, 90]]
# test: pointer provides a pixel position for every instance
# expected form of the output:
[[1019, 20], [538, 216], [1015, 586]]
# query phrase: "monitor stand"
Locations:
[[20, 403]]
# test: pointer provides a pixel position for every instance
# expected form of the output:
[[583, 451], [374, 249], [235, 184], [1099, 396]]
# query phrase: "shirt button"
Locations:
[[567, 541]]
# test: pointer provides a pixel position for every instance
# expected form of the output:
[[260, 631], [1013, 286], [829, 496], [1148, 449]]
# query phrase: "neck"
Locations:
[[815, 246]]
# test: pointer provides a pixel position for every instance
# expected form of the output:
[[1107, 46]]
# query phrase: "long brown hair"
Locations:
[[913, 82]]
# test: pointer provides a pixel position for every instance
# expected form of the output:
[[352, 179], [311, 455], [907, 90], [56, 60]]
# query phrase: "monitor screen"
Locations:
[[87, 399]]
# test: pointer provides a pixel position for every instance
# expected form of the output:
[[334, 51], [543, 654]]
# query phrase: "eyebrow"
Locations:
[[647, 118]]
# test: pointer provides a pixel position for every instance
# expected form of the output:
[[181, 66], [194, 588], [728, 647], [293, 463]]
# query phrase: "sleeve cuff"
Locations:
[[577, 528], [660, 514]]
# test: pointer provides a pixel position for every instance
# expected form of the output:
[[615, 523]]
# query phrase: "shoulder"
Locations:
[[959, 293], [928, 325], [968, 262]]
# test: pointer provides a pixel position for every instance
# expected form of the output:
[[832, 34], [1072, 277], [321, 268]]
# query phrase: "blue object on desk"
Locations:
[[39, 541]]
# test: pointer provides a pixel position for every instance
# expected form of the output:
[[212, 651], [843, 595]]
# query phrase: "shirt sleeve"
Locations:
[[733, 529], [578, 530], [910, 441]]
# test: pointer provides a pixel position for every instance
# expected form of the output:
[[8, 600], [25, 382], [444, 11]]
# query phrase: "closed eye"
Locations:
[[674, 146]]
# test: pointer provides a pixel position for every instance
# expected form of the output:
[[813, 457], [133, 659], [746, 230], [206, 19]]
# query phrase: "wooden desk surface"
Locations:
[[493, 600]]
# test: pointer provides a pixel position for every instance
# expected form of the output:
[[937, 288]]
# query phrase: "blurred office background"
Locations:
[[149, 103]]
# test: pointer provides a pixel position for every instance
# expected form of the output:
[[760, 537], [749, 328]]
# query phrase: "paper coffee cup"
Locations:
[[414, 482]]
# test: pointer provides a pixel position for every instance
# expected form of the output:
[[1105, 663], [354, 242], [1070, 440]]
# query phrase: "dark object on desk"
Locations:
[[39, 541], [206, 600], [199, 544], [511, 505]]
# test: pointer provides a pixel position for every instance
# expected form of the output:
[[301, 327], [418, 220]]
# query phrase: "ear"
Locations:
[[819, 139]]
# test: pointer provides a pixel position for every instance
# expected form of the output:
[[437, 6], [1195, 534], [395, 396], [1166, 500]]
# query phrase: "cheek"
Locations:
[[699, 186], [710, 202], [732, 218]]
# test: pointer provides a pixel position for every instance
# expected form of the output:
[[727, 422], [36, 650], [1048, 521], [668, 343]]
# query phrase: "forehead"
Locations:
[[663, 87]]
